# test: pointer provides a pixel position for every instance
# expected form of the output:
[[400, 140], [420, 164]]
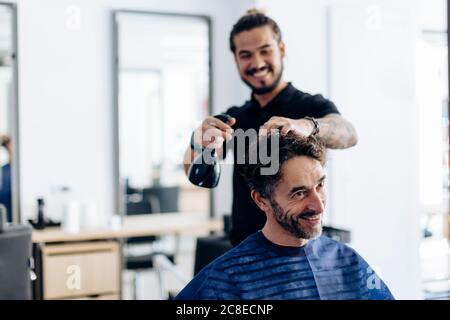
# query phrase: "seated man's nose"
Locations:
[[316, 204]]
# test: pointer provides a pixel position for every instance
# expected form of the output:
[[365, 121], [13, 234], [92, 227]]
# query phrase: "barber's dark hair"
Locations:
[[290, 146], [253, 18]]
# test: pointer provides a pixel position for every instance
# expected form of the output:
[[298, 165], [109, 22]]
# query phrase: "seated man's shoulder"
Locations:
[[344, 263]]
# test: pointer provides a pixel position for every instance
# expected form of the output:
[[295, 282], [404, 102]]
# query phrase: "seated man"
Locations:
[[288, 259]]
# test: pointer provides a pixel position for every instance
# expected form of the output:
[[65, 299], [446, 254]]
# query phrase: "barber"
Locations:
[[258, 50]]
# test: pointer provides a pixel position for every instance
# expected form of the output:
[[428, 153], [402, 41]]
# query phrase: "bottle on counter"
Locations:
[[40, 223]]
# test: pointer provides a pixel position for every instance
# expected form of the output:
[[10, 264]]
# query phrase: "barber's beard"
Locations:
[[268, 87], [293, 224]]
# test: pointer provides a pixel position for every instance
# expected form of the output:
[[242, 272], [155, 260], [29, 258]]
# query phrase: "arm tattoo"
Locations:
[[336, 132]]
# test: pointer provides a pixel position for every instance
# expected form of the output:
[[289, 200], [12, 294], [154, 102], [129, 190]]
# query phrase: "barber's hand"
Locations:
[[213, 132], [301, 127]]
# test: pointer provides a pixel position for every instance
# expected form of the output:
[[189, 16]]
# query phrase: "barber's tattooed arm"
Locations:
[[336, 132]]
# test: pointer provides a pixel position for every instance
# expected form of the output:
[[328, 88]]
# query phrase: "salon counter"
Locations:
[[88, 264]]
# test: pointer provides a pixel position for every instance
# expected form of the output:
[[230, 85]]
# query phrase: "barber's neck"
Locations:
[[264, 99], [276, 234]]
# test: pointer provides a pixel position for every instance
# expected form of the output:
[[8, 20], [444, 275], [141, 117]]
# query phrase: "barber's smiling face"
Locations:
[[298, 201], [259, 59]]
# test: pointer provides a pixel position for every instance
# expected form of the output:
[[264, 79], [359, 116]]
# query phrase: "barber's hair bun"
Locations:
[[253, 11]]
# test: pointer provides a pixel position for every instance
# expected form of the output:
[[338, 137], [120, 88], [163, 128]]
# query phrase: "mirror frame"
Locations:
[[15, 170], [119, 188]]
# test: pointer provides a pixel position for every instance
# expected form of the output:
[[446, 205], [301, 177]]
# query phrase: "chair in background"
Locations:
[[140, 207], [211, 247], [15, 255], [163, 199], [129, 189], [150, 200]]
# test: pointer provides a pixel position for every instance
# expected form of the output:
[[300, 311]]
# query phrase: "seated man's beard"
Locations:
[[267, 87], [292, 224]]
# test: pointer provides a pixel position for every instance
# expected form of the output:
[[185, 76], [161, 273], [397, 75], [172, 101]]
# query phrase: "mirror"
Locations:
[[9, 195], [163, 92]]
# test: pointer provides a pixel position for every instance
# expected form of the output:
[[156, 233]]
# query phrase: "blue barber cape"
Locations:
[[259, 269]]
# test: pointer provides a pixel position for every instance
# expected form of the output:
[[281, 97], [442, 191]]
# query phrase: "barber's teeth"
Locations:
[[260, 73]]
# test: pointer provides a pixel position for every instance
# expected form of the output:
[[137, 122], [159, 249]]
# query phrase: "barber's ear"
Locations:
[[282, 49], [260, 201]]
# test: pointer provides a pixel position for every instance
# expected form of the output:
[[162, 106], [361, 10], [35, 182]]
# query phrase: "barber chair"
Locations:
[[211, 247]]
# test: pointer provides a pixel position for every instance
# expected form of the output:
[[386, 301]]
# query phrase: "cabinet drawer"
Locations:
[[76, 270]]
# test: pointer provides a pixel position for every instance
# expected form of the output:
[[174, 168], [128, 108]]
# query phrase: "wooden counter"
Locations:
[[136, 226], [87, 265]]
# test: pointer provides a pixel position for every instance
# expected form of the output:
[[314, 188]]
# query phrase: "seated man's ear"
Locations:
[[260, 201]]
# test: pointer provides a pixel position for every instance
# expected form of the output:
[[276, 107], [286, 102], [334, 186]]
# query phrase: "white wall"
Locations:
[[370, 76], [433, 14], [66, 98]]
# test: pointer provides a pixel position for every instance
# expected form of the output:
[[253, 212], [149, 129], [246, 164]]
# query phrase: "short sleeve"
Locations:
[[319, 107]]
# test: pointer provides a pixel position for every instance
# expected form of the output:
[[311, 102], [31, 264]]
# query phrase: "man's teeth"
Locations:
[[260, 73], [313, 218]]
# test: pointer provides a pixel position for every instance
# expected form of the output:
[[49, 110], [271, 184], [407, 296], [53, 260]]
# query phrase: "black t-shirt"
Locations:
[[246, 217]]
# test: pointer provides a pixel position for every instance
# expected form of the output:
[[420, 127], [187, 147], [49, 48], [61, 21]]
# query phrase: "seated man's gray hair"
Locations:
[[289, 146]]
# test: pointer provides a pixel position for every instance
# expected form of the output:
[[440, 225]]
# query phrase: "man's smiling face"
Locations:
[[298, 200], [259, 58]]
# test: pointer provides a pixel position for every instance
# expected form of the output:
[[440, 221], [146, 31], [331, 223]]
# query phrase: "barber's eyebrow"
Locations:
[[265, 46], [303, 188]]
